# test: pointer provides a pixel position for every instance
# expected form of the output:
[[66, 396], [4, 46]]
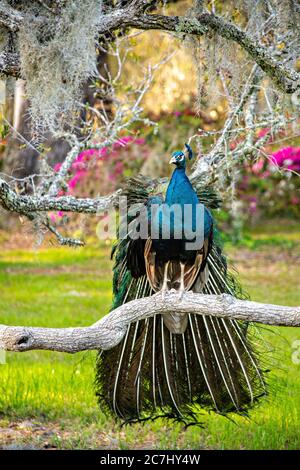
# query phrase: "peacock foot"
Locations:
[[181, 293], [163, 292]]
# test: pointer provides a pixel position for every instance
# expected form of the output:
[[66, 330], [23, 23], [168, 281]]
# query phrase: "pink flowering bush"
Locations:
[[106, 166], [271, 186], [101, 171], [287, 158]]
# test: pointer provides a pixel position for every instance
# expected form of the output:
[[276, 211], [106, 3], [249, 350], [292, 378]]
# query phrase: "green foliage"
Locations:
[[63, 287], [275, 234], [4, 130]]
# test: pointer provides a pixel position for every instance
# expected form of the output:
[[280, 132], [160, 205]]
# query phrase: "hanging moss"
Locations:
[[215, 53], [57, 56]]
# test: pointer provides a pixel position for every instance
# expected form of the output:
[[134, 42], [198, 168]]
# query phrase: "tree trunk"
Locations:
[[20, 162], [20, 158]]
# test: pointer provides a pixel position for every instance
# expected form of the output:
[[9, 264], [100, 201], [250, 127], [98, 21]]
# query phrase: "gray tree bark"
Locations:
[[109, 331], [132, 15]]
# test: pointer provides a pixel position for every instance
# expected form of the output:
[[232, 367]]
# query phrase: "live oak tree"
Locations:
[[244, 51]]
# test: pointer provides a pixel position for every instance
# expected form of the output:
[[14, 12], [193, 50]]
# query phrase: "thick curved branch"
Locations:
[[287, 79], [9, 17], [14, 202], [109, 331]]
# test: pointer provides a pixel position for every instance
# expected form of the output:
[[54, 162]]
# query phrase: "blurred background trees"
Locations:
[[186, 88]]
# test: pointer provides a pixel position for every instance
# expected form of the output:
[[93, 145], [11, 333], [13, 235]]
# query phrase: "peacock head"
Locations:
[[179, 157]]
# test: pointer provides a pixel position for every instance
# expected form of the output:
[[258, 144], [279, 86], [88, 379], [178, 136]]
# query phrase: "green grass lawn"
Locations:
[[47, 398]]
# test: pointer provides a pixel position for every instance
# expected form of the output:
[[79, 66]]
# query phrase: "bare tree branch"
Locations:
[[109, 331], [287, 79], [10, 64], [127, 111], [21, 204], [9, 17], [218, 148]]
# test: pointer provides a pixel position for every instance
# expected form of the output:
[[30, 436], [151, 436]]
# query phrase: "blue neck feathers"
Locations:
[[180, 191]]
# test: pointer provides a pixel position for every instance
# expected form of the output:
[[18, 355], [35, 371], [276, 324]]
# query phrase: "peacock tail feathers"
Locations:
[[155, 373], [139, 188]]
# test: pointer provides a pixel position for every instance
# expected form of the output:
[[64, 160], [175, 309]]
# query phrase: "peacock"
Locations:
[[175, 365]]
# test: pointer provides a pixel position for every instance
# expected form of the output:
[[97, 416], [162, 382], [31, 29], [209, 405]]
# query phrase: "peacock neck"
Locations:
[[178, 177], [179, 170], [178, 174]]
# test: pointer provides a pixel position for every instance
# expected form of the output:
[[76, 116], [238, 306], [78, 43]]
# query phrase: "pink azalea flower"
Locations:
[[288, 157], [119, 166], [295, 200], [263, 132], [258, 166], [103, 152], [78, 165], [140, 141], [252, 207], [75, 180], [57, 167]]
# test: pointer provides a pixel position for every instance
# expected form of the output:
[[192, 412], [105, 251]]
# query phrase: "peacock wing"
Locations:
[[141, 193]]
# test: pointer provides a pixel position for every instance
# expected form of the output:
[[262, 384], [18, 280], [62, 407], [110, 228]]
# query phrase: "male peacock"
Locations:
[[174, 365]]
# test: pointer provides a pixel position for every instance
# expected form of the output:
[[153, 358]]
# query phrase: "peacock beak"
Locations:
[[173, 160]]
